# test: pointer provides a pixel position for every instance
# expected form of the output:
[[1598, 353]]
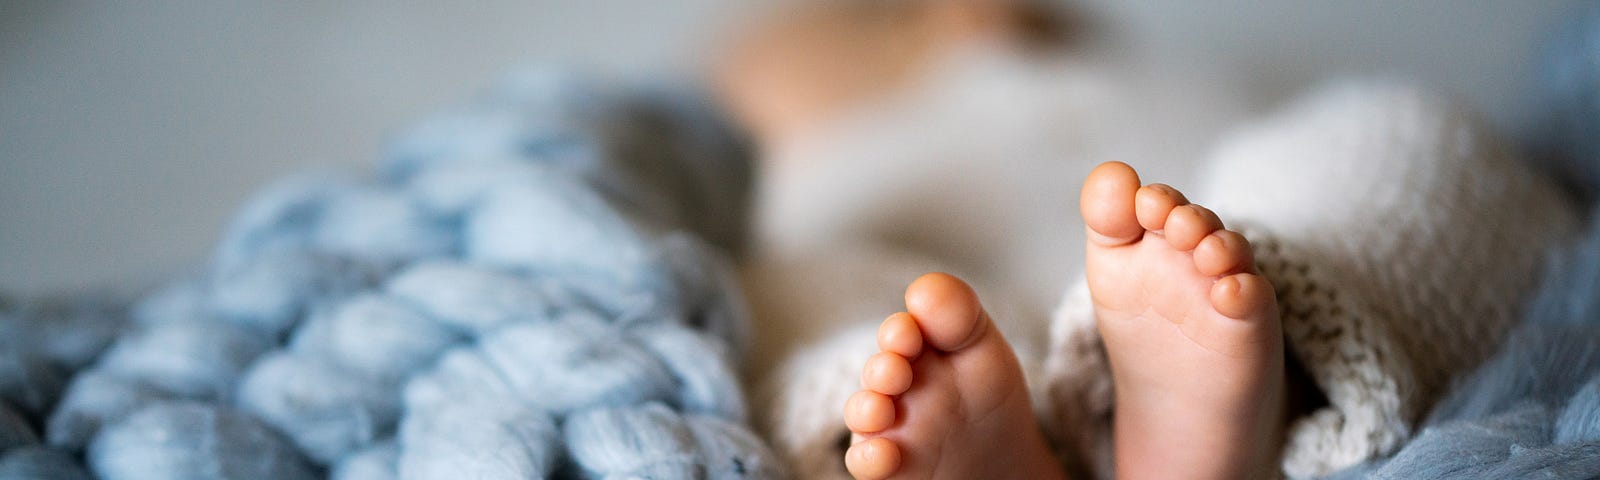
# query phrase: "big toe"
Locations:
[[1107, 202], [946, 310]]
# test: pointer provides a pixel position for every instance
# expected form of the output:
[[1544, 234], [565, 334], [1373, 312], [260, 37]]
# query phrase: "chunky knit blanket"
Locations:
[[532, 285]]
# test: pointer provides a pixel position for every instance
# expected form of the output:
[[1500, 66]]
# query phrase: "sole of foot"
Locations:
[[1191, 330], [945, 398]]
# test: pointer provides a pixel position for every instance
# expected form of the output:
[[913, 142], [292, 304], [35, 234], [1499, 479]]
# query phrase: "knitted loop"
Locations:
[[183, 439], [652, 441], [95, 399], [473, 299], [488, 438], [273, 290], [326, 410], [193, 359], [639, 442]]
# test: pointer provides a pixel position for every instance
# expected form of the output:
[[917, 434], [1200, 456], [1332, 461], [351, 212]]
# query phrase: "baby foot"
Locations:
[[945, 398], [1191, 330]]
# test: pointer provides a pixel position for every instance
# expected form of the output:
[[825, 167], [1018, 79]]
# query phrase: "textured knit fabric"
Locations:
[[1533, 410], [530, 286], [1401, 241]]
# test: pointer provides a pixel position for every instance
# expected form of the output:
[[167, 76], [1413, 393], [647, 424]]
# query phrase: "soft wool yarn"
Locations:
[[1533, 411], [1402, 242], [532, 287]]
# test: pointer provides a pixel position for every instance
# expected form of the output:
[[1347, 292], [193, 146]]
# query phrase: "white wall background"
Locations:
[[130, 131]]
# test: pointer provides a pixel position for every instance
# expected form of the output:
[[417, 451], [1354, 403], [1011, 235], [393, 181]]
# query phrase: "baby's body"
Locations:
[[1191, 330]]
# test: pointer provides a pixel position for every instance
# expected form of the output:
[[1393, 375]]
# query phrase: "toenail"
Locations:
[[1169, 191]]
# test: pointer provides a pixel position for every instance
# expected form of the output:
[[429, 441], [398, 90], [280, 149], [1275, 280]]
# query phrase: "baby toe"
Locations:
[[1188, 224], [869, 412], [1155, 202], [899, 334], [872, 459], [887, 373], [1242, 296], [1222, 252]]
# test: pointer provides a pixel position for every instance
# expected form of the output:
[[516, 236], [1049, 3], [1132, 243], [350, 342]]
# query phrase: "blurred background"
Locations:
[[130, 132]]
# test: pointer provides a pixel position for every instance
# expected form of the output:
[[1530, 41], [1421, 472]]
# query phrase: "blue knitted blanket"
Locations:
[[532, 285]]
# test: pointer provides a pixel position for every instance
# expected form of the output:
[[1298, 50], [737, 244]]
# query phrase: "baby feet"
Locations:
[[1191, 330], [945, 398]]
